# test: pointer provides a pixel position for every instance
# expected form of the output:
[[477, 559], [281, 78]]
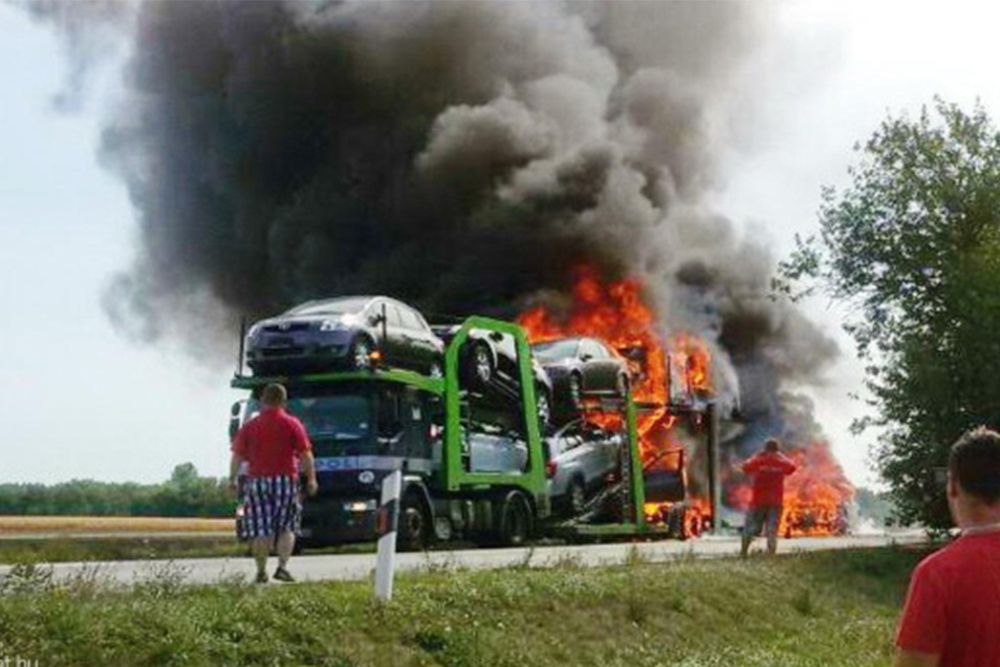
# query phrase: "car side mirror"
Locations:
[[236, 408], [375, 320], [496, 336], [586, 357]]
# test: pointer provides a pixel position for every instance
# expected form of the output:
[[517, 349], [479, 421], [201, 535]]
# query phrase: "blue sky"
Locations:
[[79, 401]]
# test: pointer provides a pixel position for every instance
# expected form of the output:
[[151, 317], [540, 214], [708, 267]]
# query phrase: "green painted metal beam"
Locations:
[[422, 382], [454, 478]]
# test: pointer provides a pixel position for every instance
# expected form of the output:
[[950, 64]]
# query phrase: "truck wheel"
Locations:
[[414, 524], [691, 524], [515, 520], [360, 354]]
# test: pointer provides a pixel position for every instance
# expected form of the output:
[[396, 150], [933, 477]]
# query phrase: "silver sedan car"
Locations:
[[578, 459]]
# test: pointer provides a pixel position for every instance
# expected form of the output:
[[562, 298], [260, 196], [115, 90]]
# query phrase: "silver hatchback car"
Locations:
[[578, 458]]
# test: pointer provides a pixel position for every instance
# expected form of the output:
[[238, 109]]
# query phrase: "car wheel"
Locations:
[[360, 354], [482, 364], [515, 520], [576, 497], [621, 385], [544, 406], [575, 391], [414, 524]]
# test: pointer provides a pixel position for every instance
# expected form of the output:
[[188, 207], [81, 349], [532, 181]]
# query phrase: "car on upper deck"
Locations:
[[581, 365], [343, 333]]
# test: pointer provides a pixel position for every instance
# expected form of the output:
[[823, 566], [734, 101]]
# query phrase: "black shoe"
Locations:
[[281, 574], [261, 577]]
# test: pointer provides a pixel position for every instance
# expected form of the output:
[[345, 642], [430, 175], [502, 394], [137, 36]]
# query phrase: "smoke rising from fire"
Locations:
[[464, 157]]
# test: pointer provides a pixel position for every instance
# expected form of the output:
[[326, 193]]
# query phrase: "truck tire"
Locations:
[[516, 520], [415, 526]]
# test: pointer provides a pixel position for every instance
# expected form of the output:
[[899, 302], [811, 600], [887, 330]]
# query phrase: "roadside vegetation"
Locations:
[[185, 494], [822, 609], [911, 248]]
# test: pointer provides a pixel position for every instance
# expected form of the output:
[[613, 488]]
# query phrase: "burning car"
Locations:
[[344, 332], [582, 365]]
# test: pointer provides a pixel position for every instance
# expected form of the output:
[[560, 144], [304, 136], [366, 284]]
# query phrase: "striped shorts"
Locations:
[[271, 505]]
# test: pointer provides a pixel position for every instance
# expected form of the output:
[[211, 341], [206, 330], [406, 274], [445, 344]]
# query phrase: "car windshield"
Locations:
[[556, 349], [331, 307], [330, 417]]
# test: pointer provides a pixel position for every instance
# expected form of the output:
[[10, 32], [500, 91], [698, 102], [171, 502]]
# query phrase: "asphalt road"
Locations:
[[360, 566]]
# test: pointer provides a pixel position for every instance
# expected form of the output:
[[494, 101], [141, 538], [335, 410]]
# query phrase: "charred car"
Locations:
[[344, 333]]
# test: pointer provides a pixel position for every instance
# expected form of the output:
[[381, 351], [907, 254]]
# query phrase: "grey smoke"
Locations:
[[463, 156]]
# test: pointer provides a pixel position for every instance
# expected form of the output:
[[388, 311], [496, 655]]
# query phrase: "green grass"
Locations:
[[823, 609]]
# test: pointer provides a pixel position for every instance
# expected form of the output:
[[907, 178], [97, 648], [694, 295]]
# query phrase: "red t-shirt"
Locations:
[[271, 443], [769, 470], [953, 606]]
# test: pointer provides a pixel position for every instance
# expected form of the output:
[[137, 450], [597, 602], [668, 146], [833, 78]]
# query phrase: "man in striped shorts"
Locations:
[[273, 444]]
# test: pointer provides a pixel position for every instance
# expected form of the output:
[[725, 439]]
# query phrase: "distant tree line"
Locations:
[[184, 494]]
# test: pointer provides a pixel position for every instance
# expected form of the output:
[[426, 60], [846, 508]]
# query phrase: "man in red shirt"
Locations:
[[769, 468], [273, 444], [952, 612]]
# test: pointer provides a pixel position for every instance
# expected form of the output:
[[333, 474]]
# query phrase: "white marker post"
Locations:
[[386, 523]]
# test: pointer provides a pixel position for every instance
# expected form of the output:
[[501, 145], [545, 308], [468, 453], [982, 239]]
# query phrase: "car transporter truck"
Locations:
[[475, 467]]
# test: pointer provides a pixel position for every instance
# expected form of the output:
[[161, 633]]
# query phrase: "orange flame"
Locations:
[[816, 495], [616, 314]]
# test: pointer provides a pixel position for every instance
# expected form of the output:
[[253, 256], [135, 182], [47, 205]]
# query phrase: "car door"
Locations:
[[389, 334], [417, 347]]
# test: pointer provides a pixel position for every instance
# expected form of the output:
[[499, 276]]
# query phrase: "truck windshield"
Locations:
[[329, 417]]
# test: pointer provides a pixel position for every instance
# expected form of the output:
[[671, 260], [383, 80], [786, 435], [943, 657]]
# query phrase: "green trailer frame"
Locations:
[[453, 478]]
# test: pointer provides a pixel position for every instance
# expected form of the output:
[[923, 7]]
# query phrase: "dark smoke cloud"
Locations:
[[464, 157]]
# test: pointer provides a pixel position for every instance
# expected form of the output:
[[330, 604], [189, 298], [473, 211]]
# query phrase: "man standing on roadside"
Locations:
[[274, 444], [769, 468], [952, 612]]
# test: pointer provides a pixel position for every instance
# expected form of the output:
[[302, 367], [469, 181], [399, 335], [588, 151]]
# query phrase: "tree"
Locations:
[[913, 245]]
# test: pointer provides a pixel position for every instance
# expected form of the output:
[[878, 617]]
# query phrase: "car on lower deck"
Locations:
[[341, 333], [578, 459]]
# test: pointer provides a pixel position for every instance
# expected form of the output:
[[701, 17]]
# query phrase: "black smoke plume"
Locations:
[[462, 156]]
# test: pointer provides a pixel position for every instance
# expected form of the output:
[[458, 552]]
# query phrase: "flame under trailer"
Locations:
[[474, 466]]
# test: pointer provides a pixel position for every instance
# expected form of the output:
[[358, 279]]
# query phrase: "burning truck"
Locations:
[[675, 374], [474, 457]]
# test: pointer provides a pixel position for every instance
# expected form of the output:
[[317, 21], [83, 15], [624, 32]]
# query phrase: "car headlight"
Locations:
[[254, 330], [331, 325]]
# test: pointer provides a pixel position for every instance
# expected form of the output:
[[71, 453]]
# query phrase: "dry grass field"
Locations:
[[68, 525]]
